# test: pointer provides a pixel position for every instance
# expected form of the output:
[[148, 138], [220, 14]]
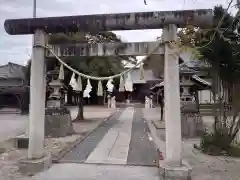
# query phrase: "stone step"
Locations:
[[158, 124]]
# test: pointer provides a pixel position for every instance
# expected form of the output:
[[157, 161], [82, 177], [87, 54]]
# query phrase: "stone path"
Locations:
[[121, 148], [142, 150], [113, 148], [81, 151], [123, 139]]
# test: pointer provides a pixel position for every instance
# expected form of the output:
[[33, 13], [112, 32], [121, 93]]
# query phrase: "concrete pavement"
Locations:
[[113, 148], [71, 171], [123, 139]]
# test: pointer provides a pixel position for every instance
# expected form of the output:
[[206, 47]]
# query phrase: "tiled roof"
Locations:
[[183, 68], [201, 80], [196, 64], [195, 77], [12, 70], [187, 68]]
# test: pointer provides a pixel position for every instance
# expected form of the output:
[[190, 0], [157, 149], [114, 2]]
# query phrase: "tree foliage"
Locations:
[[221, 52], [94, 66], [189, 36], [220, 48]]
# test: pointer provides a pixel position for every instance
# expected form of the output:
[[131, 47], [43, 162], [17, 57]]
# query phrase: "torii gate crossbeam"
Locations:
[[110, 22]]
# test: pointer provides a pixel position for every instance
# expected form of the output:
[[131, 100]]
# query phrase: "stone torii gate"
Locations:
[[169, 21]]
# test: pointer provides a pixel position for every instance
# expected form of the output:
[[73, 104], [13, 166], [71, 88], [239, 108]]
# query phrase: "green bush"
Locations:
[[208, 144], [216, 144], [234, 151]]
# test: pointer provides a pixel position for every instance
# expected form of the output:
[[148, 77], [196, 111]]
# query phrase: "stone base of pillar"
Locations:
[[58, 123], [7, 145], [191, 121], [30, 167], [192, 125], [21, 141], [168, 172]]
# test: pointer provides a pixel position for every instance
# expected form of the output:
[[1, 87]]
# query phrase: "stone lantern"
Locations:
[[55, 98], [58, 121], [190, 118], [185, 85]]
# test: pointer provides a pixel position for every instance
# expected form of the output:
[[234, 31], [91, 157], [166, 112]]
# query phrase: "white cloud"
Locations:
[[14, 48]]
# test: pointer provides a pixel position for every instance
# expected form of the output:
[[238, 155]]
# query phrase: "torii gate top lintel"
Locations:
[[106, 22]]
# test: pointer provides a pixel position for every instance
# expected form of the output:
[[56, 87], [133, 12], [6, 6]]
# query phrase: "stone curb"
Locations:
[[159, 143], [58, 158], [7, 145]]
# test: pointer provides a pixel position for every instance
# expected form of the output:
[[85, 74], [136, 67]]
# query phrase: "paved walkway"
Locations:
[[119, 149], [71, 171], [124, 139]]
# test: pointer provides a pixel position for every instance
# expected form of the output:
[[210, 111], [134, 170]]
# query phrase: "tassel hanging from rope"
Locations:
[[73, 82], [121, 84], [79, 84], [88, 89], [61, 73], [129, 83], [110, 85], [100, 88]]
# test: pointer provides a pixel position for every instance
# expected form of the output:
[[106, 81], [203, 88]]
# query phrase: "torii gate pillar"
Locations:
[[37, 160], [172, 167], [37, 98]]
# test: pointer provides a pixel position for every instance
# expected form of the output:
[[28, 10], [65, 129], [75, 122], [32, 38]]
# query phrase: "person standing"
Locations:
[[161, 103]]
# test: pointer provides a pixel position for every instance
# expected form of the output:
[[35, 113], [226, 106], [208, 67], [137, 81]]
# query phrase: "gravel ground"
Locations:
[[205, 167], [9, 160]]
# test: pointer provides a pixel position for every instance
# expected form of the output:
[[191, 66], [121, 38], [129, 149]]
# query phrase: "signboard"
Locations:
[[110, 22], [106, 49]]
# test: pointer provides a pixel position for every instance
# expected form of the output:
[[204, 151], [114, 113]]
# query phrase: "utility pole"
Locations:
[[238, 15], [34, 16], [34, 8]]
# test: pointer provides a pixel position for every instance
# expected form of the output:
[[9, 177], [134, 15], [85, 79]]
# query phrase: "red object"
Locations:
[[161, 156]]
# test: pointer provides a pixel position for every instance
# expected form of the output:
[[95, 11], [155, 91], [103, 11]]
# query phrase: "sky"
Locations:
[[17, 49]]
